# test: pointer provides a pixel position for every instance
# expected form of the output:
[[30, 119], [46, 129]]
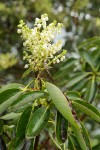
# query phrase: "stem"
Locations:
[[39, 87], [36, 142], [38, 83]]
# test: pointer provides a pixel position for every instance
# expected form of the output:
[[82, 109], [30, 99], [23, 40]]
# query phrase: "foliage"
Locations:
[[29, 119], [36, 114]]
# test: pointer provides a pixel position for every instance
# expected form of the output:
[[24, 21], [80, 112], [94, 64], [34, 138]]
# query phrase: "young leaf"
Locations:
[[37, 122], [61, 128], [60, 102], [87, 108], [4, 106]]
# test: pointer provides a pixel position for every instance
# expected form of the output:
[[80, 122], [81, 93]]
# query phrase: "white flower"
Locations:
[[52, 36], [62, 58], [37, 20], [40, 51], [19, 31], [58, 61], [46, 18], [51, 56], [45, 46], [26, 66], [33, 33], [39, 25]]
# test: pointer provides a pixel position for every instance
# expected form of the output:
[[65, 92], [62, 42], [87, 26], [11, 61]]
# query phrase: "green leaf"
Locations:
[[11, 86], [73, 95], [91, 90], [27, 98], [37, 122], [22, 123], [80, 85], [61, 128], [88, 58], [70, 143], [10, 116], [80, 138], [60, 102], [87, 108], [86, 135], [17, 142], [69, 63], [4, 106], [91, 42], [62, 105], [74, 142], [5, 95], [75, 79]]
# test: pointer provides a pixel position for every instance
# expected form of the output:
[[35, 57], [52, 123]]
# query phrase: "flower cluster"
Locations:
[[40, 51]]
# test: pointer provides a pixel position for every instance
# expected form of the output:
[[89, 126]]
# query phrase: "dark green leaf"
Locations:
[[27, 98], [37, 122], [5, 95], [4, 106], [16, 144], [11, 86], [18, 141], [86, 135], [61, 128], [22, 123], [70, 144], [74, 142]]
